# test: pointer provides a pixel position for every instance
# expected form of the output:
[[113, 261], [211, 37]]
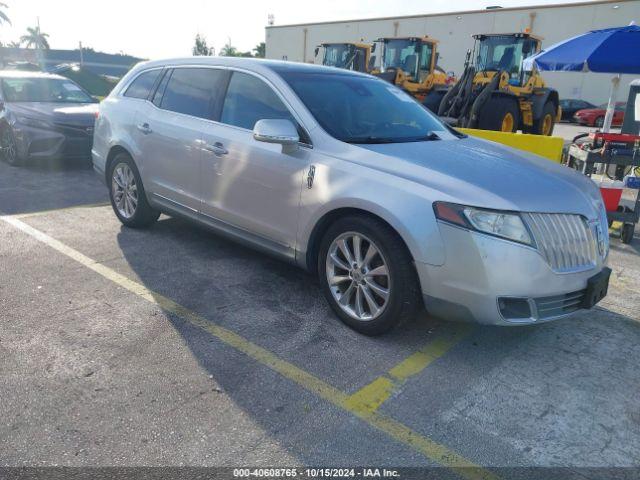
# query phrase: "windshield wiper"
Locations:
[[371, 139], [430, 136]]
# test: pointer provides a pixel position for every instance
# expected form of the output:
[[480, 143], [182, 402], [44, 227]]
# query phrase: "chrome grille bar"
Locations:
[[559, 304], [565, 241]]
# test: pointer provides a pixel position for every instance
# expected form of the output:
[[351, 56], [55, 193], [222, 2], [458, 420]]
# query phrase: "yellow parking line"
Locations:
[[400, 432], [371, 396], [51, 210]]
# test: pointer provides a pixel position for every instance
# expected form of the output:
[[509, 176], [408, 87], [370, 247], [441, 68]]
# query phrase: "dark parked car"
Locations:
[[594, 117], [44, 117], [571, 106]]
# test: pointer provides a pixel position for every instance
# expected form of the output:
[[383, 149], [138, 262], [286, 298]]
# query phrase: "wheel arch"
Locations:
[[329, 218], [113, 151]]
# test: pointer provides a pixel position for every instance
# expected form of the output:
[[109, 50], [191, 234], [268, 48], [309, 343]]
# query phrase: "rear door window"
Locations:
[[193, 91], [143, 84]]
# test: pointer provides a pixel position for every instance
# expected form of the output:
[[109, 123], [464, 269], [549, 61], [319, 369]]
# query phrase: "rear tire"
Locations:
[[9, 147], [373, 292], [128, 198], [501, 114], [545, 124]]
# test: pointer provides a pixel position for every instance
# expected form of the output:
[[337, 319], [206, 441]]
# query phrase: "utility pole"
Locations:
[[81, 56]]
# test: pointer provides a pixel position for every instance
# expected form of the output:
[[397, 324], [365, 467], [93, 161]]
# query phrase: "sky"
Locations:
[[155, 29]]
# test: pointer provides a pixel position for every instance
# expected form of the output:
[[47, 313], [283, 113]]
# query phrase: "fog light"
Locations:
[[514, 308]]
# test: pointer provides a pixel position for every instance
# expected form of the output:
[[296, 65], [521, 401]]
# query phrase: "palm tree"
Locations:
[[3, 16], [259, 50], [14, 44], [229, 50], [35, 38]]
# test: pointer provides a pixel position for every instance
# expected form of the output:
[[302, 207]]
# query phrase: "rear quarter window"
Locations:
[[143, 84]]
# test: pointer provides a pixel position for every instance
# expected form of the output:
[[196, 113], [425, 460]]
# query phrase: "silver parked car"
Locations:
[[347, 176]]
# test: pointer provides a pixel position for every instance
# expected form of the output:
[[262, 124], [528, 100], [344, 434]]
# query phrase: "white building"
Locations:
[[552, 22]]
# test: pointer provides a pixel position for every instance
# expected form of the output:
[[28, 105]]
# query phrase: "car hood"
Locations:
[[486, 174], [77, 114]]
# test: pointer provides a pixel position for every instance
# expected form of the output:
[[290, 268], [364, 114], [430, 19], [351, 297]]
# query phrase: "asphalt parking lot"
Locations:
[[173, 346]]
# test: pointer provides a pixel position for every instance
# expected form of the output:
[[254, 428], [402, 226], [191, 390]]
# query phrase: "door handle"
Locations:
[[217, 149], [145, 128]]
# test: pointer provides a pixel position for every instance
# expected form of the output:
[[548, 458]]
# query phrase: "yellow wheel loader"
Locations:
[[411, 63], [350, 56], [495, 93]]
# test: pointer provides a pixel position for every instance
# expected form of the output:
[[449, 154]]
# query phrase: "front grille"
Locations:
[[559, 304], [565, 241]]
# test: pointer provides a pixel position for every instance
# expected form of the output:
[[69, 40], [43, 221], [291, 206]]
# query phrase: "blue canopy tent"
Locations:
[[611, 50]]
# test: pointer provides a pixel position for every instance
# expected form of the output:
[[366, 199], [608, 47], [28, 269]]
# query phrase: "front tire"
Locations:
[[433, 100], [127, 195], [501, 114], [9, 147], [367, 275]]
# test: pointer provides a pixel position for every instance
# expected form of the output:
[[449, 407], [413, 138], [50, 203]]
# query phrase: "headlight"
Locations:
[[33, 122], [492, 222]]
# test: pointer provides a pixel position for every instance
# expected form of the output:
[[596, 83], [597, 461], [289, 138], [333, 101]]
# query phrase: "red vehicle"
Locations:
[[594, 117]]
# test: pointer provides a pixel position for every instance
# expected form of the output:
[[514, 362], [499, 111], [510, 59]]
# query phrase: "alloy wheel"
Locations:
[[125, 190], [358, 276], [9, 150]]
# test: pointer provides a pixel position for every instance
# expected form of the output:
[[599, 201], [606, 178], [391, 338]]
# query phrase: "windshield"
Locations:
[[411, 56], [35, 89], [338, 55], [360, 109], [503, 52]]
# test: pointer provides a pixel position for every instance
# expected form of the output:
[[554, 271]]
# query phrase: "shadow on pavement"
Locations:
[[281, 308], [42, 186]]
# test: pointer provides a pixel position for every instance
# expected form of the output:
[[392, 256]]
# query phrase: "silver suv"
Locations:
[[350, 178]]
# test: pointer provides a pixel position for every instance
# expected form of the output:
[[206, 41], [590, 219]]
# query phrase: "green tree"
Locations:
[[14, 44], [35, 38], [229, 50], [3, 16], [201, 48], [259, 50]]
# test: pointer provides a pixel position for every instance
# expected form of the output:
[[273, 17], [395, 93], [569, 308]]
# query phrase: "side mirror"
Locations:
[[317, 50], [276, 131], [373, 47]]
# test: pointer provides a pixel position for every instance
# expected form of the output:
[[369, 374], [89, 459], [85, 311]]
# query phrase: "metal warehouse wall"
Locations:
[[552, 22]]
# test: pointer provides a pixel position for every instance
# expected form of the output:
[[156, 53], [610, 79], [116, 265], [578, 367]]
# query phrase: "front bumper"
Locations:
[[56, 143], [479, 270]]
